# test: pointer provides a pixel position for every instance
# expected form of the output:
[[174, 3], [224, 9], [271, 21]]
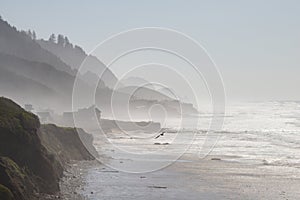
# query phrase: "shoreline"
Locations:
[[72, 184], [209, 178]]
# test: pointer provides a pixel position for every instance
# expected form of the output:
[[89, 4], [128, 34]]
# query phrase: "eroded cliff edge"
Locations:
[[34, 156]]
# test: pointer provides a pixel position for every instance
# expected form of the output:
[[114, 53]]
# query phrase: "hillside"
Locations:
[[23, 89], [19, 44], [32, 74], [38, 83], [74, 57], [144, 93]]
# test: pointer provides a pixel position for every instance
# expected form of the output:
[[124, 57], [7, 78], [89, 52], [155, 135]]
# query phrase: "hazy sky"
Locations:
[[256, 44]]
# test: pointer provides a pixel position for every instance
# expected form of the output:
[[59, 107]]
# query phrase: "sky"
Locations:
[[255, 44]]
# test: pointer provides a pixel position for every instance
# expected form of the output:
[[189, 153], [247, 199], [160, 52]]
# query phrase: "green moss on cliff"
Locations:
[[5, 193], [13, 167], [15, 178]]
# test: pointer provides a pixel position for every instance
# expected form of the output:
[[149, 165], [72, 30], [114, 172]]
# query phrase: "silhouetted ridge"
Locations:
[[74, 55], [18, 43]]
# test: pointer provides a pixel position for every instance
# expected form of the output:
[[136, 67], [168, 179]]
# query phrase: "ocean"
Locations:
[[257, 132], [257, 152]]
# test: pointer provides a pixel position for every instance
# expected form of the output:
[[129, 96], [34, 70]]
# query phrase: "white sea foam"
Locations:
[[266, 132]]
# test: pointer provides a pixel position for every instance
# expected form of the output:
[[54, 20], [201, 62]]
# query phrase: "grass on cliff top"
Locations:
[[15, 118]]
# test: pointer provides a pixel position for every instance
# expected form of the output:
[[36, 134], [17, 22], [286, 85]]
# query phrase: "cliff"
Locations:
[[33, 157], [65, 143]]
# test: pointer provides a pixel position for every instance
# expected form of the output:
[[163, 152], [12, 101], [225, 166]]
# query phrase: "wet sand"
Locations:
[[209, 178]]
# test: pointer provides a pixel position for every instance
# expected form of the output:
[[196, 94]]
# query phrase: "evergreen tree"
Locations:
[[67, 43], [29, 33], [33, 35], [60, 40], [66, 40], [52, 38]]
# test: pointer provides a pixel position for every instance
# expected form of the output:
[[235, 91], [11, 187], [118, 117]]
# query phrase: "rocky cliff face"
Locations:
[[64, 144], [32, 157]]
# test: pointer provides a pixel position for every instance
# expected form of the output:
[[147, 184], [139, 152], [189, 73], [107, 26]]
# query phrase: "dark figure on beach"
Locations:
[[162, 134]]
